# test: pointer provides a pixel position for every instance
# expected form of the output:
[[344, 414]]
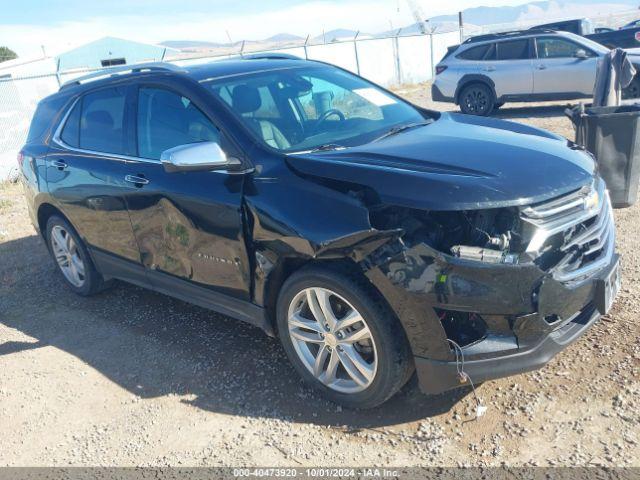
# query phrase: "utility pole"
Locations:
[[418, 15]]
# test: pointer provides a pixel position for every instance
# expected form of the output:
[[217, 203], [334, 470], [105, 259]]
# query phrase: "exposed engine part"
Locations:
[[501, 242], [487, 255], [495, 232]]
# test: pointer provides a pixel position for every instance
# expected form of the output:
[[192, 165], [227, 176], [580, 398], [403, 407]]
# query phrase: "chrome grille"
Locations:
[[584, 222]]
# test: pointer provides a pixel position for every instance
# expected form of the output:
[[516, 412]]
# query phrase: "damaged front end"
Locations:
[[509, 286]]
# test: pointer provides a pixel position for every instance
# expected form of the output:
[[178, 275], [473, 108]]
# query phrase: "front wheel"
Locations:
[[477, 99], [342, 340]]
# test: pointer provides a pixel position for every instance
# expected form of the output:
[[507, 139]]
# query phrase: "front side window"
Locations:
[[513, 50], [558, 48], [302, 108], [166, 120]]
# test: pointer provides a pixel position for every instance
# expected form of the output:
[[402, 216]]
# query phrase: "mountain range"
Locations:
[[543, 11]]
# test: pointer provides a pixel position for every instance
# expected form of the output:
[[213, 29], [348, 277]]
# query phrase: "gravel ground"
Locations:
[[130, 377]]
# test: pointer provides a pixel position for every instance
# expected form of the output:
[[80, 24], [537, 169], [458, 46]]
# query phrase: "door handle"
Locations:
[[138, 181], [59, 164], [542, 67]]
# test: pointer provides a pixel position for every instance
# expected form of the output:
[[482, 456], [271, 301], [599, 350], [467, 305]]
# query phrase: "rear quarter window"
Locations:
[[43, 118], [71, 130], [475, 53]]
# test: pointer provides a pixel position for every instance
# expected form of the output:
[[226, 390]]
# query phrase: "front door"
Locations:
[[86, 169], [188, 225], [558, 72]]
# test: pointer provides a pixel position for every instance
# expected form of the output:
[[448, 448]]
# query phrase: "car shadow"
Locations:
[[153, 345]]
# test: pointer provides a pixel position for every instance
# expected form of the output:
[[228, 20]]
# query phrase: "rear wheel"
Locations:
[[342, 340], [477, 99], [72, 258]]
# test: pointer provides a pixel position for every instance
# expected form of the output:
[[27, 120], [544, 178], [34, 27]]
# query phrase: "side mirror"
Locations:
[[581, 54], [201, 156]]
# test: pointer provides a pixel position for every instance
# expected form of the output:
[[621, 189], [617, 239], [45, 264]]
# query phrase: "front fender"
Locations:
[[290, 218]]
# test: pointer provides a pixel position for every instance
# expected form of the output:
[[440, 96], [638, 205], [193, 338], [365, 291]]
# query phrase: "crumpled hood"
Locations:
[[458, 162]]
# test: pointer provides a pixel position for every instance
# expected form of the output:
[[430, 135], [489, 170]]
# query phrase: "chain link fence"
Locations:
[[390, 61]]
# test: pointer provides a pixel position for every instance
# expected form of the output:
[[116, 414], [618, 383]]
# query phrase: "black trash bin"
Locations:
[[612, 135]]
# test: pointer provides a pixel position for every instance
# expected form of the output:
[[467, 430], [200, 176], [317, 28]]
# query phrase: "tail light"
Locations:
[[638, 36], [20, 158], [440, 69]]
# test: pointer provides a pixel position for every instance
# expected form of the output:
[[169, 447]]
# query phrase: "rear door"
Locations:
[[86, 169], [188, 225], [558, 72], [510, 67]]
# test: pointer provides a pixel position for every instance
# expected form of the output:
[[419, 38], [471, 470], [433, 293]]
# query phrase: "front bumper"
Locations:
[[439, 376], [536, 340], [515, 341]]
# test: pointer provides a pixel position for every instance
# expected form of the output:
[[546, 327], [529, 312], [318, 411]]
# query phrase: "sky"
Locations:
[[58, 25]]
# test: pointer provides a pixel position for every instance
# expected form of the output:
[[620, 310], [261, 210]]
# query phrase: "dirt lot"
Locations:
[[131, 377]]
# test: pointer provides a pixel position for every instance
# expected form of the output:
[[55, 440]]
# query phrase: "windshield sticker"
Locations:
[[378, 98]]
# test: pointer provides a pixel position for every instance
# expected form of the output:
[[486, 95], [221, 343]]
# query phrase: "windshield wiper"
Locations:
[[401, 128], [327, 147]]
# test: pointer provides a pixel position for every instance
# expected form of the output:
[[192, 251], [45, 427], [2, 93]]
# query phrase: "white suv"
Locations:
[[529, 66]]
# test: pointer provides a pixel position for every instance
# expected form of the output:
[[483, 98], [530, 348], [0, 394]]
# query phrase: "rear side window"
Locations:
[[513, 50], [102, 121], [167, 120], [476, 53]]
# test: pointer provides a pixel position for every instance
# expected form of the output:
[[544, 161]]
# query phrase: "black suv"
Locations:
[[373, 237]]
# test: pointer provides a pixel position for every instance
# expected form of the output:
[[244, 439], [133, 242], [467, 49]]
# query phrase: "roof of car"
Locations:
[[509, 35]]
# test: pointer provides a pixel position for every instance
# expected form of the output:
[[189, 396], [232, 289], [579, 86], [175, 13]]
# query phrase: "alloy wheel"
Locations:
[[476, 101], [332, 340], [67, 255]]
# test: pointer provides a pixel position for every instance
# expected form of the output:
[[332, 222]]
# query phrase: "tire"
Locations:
[[633, 90], [383, 351], [87, 280], [477, 99]]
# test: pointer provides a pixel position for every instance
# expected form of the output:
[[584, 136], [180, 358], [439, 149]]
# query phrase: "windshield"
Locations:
[[314, 107]]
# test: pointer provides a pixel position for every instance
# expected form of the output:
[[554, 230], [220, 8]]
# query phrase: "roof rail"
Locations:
[[114, 71], [502, 35], [270, 56]]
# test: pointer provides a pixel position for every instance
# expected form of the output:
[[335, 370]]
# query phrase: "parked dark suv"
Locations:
[[373, 237]]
